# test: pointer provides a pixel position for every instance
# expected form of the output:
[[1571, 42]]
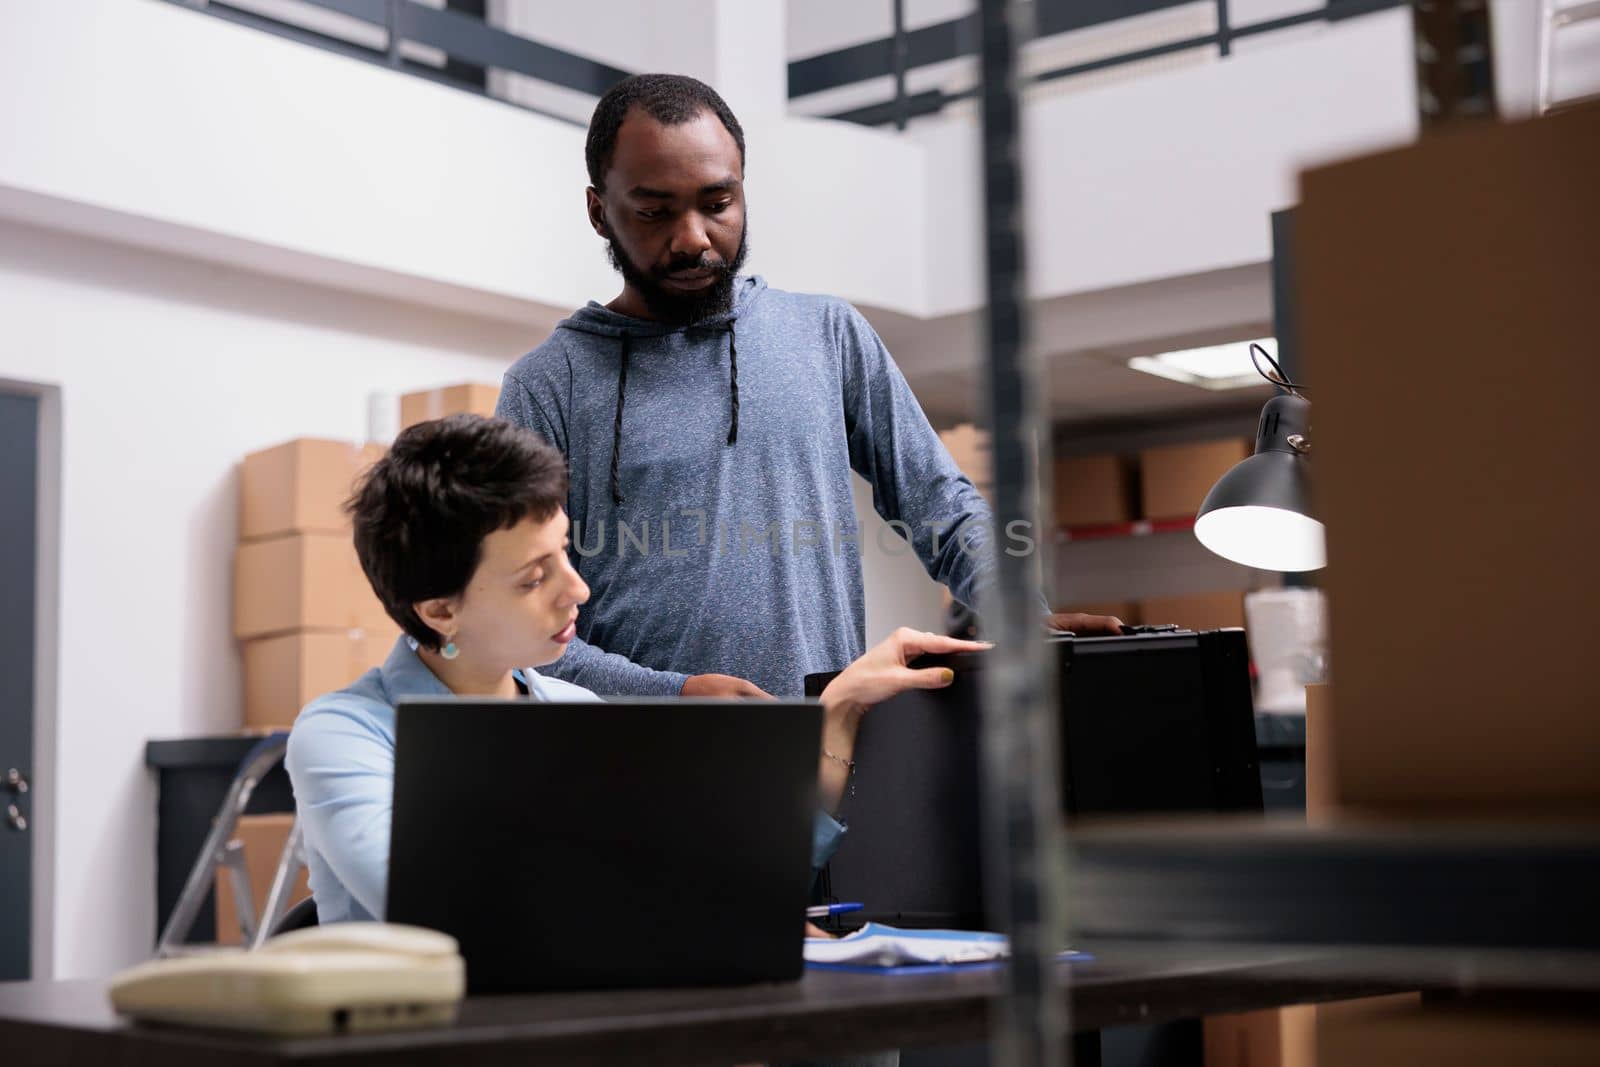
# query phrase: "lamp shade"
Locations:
[[1259, 514]]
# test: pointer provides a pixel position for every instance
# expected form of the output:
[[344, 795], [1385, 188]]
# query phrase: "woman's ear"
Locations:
[[439, 614]]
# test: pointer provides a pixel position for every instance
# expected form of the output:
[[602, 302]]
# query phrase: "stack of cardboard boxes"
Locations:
[[1095, 492], [308, 620], [303, 609], [1169, 482], [469, 398], [1103, 491]]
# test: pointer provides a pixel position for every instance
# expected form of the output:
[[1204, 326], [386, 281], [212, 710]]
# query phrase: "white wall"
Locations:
[[230, 144], [817, 26], [1191, 186], [627, 34], [735, 45], [1174, 174], [402, 187], [1575, 57], [223, 130], [169, 371]]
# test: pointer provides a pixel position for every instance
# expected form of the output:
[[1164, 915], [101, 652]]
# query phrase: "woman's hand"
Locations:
[[882, 672], [875, 677]]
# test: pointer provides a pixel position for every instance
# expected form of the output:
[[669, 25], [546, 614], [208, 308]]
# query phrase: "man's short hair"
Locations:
[[422, 511], [670, 99]]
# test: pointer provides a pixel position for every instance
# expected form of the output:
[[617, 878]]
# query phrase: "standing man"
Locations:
[[711, 424]]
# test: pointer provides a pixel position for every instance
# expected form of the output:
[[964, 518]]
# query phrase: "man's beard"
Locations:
[[682, 309]]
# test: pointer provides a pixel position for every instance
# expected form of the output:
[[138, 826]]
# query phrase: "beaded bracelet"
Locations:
[[849, 766]]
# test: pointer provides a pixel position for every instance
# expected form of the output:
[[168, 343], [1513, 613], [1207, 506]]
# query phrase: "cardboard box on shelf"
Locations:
[[1174, 479], [1456, 251], [283, 674], [302, 582], [263, 837], [971, 449], [300, 486], [471, 399], [1093, 490], [1199, 611]]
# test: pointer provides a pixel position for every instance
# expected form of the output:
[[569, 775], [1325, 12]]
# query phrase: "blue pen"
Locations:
[[822, 911]]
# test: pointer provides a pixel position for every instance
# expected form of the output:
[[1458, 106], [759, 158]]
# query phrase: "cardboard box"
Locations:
[[263, 837], [1287, 1037], [302, 582], [1280, 1037], [1321, 799], [1461, 1036], [1093, 490], [448, 400], [1451, 472], [300, 487], [970, 447], [1174, 479], [283, 674], [1199, 611]]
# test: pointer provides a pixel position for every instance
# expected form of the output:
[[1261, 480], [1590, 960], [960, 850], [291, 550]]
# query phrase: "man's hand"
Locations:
[[1084, 625], [721, 685]]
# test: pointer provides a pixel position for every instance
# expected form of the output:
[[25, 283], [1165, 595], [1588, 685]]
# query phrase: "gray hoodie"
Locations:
[[710, 500]]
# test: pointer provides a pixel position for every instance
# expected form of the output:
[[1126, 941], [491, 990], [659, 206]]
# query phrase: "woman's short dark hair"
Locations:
[[422, 511]]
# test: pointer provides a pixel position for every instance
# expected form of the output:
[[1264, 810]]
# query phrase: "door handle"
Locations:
[[16, 783]]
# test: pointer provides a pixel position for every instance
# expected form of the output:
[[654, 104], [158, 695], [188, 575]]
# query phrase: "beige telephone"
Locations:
[[329, 979]]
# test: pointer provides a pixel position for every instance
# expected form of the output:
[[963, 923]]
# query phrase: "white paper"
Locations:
[[877, 945]]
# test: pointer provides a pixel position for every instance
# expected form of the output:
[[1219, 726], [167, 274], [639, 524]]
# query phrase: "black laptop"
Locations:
[[607, 845], [1148, 724]]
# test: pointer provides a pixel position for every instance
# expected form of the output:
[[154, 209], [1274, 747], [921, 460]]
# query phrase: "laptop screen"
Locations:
[[607, 845]]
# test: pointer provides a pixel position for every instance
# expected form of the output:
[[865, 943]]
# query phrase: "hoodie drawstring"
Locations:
[[622, 388], [616, 432], [733, 382]]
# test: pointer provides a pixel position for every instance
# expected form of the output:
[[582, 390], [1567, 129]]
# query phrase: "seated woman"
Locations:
[[461, 532]]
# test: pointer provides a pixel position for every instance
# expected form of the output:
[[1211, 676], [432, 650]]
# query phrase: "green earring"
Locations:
[[450, 651]]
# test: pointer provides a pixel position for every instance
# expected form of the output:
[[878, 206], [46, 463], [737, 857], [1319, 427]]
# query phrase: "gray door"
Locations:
[[19, 508]]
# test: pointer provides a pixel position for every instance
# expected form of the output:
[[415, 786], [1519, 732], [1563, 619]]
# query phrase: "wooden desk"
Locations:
[[825, 1013]]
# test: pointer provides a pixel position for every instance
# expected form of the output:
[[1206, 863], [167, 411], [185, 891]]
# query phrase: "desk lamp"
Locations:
[[1259, 514]]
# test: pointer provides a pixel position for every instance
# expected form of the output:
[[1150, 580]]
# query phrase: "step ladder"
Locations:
[[220, 850], [1555, 17]]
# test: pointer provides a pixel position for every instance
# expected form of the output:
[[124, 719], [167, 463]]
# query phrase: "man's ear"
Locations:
[[440, 615], [597, 212]]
